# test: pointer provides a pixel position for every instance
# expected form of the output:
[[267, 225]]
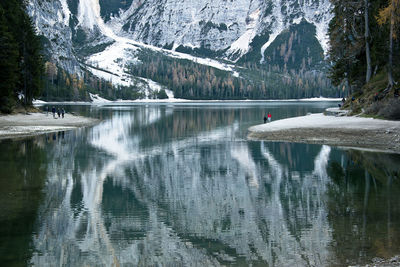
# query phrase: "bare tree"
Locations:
[[367, 36]]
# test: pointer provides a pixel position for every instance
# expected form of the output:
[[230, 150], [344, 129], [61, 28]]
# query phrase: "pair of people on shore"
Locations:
[[268, 117], [60, 112]]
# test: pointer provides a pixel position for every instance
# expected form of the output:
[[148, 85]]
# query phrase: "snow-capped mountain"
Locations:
[[222, 25], [108, 34]]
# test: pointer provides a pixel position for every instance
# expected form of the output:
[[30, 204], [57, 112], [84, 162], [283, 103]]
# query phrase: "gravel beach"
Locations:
[[22, 125], [345, 131]]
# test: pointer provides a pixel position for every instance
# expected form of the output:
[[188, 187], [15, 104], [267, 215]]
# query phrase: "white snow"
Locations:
[[38, 102], [202, 61], [89, 14], [20, 95], [156, 87], [242, 44], [327, 122], [39, 123], [313, 14], [317, 99], [97, 99], [297, 20], [317, 14], [115, 58], [277, 28], [66, 12], [31, 130]]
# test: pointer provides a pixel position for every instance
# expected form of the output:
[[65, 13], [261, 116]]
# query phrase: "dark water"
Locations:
[[179, 185]]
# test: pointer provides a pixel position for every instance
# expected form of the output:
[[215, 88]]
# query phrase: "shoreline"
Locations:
[[105, 102], [32, 124], [341, 131]]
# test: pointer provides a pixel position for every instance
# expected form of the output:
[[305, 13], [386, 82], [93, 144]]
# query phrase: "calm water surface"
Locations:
[[180, 185]]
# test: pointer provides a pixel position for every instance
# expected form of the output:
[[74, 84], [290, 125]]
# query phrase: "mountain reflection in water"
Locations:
[[171, 186]]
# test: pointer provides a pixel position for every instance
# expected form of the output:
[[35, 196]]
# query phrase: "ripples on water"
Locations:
[[181, 186]]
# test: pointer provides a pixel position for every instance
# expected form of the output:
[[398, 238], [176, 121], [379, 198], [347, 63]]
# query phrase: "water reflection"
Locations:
[[181, 186], [363, 206], [22, 178]]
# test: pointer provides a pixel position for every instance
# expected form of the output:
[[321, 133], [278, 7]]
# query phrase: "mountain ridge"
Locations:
[[219, 34]]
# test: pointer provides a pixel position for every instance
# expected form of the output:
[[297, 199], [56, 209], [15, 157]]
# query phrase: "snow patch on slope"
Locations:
[[316, 13], [320, 16], [89, 13], [276, 30], [98, 99], [113, 61], [156, 87], [242, 45], [66, 11]]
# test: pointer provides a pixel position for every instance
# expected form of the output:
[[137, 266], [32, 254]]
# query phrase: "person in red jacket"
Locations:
[[269, 117]]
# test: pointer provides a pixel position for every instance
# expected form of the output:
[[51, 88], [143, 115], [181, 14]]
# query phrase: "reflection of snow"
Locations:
[[203, 187], [311, 247], [243, 157]]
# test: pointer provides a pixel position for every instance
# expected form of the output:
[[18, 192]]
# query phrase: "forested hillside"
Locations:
[[365, 54], [252, 81], [21, 64], [69, 58]]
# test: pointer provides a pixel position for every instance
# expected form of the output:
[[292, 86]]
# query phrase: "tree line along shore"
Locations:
[[364, 60], [365, 55]]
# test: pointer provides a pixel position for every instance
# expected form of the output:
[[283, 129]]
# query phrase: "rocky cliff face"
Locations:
[[223, 25], [53, 22], [254, 31]]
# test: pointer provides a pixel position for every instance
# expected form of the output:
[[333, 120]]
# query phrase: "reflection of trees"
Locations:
[[131, 194], [363, 206], [182, 122], [21, 182], [199, 198], [220, 195], [81, 234]]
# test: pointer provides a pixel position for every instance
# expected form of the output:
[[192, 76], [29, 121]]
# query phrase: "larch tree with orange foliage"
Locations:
[[390, 14]]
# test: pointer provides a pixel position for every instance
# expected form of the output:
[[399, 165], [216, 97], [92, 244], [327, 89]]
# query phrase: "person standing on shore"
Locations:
[[269, 117], [53, 110], [62, 112], [265, 118], [58, 112]]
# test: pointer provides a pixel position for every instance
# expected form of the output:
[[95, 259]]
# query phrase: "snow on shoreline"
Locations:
[[100, 100], [366, 134], [319, 120], [21, 125]]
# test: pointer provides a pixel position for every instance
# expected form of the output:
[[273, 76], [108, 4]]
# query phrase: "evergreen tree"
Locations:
[[8, 65], [346, 44], [356, 42], [21, 64], [32, 63]]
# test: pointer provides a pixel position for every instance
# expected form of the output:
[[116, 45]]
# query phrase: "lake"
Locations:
[[180, 185]]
